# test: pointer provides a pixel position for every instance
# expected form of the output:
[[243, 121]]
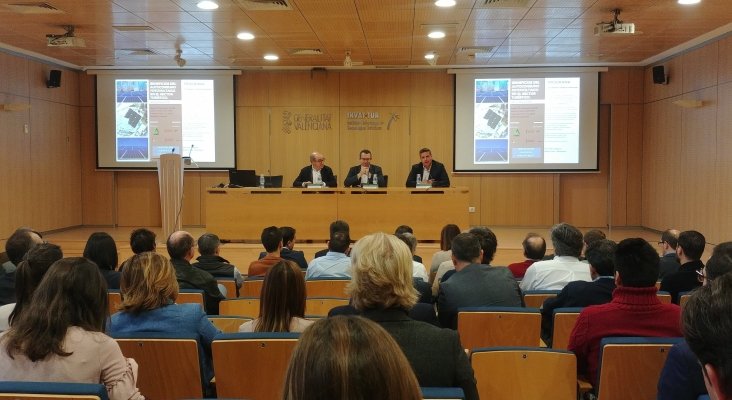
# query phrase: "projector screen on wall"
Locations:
[[526, 120], [143, 114]]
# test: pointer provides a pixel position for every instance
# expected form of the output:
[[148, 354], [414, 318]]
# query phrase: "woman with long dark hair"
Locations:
[[101, 248]]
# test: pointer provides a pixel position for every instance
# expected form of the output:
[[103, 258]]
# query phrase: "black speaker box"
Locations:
[[54, 79], [659, 75]]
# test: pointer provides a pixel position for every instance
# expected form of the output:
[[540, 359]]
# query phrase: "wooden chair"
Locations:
[[630, 367], [114, 299], [327, 287], [194, 296], [499, 326], [664, 297], [683, 298], [232, 291], [228, 323], [525, 373], [252, 287], [169, 364], [442, 393], [535, 298], [243, 306], [564, 320], [52, 391], [252, 365], [320, 306]]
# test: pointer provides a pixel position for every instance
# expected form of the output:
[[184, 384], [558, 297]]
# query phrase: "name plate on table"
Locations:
[[369, 186], [423, 185], [315, 185]]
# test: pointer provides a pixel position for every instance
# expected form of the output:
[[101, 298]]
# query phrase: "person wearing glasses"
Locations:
[[316, 172], [365, 171], [669, 262]]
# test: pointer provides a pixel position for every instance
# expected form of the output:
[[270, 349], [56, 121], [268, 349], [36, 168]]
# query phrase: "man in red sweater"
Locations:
[[634, 310]]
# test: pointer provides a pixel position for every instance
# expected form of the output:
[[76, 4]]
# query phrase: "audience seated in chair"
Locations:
[[447, 233], [272, 241], [141, 240], [335, 226], [15, 248], [101, 248], [565, 267], [407, 229], [180, 249], [534, 249], [209, 246], [288, 251], [418, 269], [669, 262], [335, 264], [689, 248]]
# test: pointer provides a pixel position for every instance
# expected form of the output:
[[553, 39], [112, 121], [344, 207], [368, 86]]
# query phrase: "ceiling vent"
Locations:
[[132, 28], [305, 52], [506, 3], [265, 5], [32, 8], [479, 52], [134, 52]]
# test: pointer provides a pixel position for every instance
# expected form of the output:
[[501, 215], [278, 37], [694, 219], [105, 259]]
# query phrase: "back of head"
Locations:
[[466, 247], [534, 246], [448, 233], [592, 236], [567, 240], [288, 234], [339, 242], [488, 243], [29, 274], [282, 298], [19, 243], [101, 249], [142, 240], [707, 323], [720, 262], [670, 236], [403, 229], [408, 239], [271, 238], [72, 293], [637, 263], [692, 243], [349, 358], [381, 273], [601, 256], [179, 245], [208, 243], [148, 282], [339, 226]]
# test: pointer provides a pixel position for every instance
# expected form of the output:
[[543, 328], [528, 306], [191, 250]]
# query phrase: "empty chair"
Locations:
[[499, 326], [564, 320], [232, 291], [630, 367], [52, 390], [535, 298], [194, 296], [525, 373], [114, 299], [327, 287], [228, 323], [252, 287], [252, 365], [664, 297], [683, 298], [320, 306], [243, 306]]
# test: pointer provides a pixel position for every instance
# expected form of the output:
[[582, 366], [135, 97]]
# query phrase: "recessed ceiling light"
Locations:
[[244, 36], [429, 56], [687, 2], [445, 3], [207, 5], [436, 34], [271, 57]]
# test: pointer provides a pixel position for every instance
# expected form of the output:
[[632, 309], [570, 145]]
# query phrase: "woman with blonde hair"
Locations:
[[381, 290], [348, 358], [282, 301], [149, 289]]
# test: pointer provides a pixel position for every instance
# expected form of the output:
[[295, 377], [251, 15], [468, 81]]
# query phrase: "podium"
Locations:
[[170, 180]]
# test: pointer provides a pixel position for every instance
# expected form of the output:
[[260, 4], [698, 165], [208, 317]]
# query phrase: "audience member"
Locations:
[[534, 249], [272, 242], [317, 172], [474, 284], [209, 246], [381, 289], [635, 310], [60, 338], [689, 248], [180, 248], [407, 229], [590, 237], [15, 247], [335, 263], [418, 269], [28, 275], [448, 233], [282, 301], [601, 258], [565, 267], [669, 262], [335, 226], [288, 244], [348, 358], [101, 248], [141, 240], [489, 245]]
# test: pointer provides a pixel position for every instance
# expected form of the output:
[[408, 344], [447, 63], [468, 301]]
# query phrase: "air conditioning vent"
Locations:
[[475, 49], [134, 52], [265, 5], [132, 28], [506, 3], [32, 8], [305, 52]]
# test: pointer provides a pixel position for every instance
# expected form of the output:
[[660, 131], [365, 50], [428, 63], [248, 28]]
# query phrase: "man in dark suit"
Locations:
[[316, 172], [669, 262], [601, 258], [355, 174], [689, 248], [429, 170], [288, 244]]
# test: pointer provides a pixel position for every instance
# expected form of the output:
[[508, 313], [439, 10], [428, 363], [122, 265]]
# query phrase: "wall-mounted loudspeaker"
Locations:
[[54, 79], [659, 75]]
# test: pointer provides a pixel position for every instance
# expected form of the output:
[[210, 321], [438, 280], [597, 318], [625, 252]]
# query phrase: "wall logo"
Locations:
[[294, 122], [369, 121]]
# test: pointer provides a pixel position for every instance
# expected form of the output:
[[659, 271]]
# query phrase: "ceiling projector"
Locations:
[[615, 27], [65, 40]]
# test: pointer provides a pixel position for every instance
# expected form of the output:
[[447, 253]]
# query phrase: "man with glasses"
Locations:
[[316, 172], [690, 248], [669, 262], [365, 171]]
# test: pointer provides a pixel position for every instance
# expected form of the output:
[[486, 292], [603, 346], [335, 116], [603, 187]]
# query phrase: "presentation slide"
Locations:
[[156, 114], [526, 121]]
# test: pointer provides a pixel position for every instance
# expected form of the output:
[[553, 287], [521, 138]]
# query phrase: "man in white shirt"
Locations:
[[335, 264], [418, 269], [565, 267]]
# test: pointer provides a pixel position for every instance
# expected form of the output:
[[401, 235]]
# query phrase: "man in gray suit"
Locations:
[[474, 284]]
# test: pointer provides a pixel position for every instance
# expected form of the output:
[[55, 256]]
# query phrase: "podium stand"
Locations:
[[170, 180]]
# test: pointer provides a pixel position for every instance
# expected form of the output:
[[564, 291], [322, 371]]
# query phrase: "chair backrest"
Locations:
[[194, 296], [683, 298], [327, 287], [252, 287], [442, 393], [320, 306], [564, 320], [535, 298], [232, 291], [664, 297], [252, 365], [228, 323], [630, 367], [169, 364], [499, 326], [52, 390], [243, 306], [525, 373], [114, 299]]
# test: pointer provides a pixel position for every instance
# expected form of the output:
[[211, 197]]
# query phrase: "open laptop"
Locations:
[[274, 181], [243, 178]]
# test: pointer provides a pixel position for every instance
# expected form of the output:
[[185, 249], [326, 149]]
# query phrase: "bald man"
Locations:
[[316, 172], [180, 246]]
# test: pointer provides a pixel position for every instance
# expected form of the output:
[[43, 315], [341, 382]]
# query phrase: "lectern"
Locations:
[[170, 180]]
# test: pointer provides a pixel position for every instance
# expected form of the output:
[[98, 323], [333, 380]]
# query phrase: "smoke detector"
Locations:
[[615, 27], [65, 40]]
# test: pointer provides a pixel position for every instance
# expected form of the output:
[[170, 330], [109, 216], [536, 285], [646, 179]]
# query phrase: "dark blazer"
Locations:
[[293, 255], [437, 173], [575, 294], [306, 175], [682, 280], [667, 265], [352, 177], [681, 377], [196, 278]]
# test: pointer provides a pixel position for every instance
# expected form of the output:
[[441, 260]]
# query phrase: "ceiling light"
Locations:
[[271, 57], [687, 2], [436, 35], [244, 36], [445, 3], [429, 56], [207, 5]]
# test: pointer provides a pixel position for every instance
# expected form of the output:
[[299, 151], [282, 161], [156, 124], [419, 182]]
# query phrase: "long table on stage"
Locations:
[[241, 214]]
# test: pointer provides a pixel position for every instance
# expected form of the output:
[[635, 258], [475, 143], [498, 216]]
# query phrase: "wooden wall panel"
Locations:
[[97, 187], [634, 182], [721, 196], [253, 139], [70, 172], [431, 127], [614, 86], [432, 89], [209, 179], [87, 90], [380, 88], [699, 68], [303, 88], [654, 91], [138, 199], [636, 83], [14, 79], [192, 193], [619, 164], [517, 199], [725, 60], [474, 183], [252, 89], [15, 161]]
